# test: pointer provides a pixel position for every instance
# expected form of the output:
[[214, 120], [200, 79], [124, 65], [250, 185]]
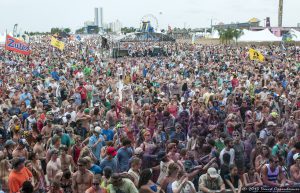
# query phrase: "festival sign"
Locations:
[[16, 45], [56, 43], [256, 55]]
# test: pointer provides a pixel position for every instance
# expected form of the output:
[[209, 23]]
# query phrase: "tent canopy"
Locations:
[[258, 36]]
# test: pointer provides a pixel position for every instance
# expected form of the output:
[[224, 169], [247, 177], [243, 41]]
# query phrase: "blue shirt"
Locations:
[[123, 156], [113, 164], [96, 150], [95, 169], [109, 133], [54, 75], [26, 97]]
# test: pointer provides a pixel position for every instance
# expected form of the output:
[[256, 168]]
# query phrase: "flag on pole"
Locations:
[[58, 44], [16, 45], [256, 55]]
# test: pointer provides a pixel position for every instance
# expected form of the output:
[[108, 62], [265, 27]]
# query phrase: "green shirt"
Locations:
[[87, 71], [279, 150], [219, 145], [126, 187]]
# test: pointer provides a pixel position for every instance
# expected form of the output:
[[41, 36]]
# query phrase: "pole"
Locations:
[[211, 25]]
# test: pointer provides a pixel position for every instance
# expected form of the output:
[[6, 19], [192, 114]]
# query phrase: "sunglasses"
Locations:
[[80, 165], [95, 184]]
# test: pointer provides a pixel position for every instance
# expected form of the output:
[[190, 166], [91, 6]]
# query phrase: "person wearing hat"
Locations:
[[267, 132], [211, 181], [21, 150], [110, 160], [8, 149], [96, 142], [83, 178], [295, 169], [120, 184], [164, 162], [18, 175], [85, 119]]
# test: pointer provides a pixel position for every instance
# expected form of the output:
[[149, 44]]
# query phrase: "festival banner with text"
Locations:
[[256, 55], [15, 45], [56, 43]]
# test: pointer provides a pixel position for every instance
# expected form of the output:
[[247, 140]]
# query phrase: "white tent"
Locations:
[[295, 35], [215, 34], [258, 36]]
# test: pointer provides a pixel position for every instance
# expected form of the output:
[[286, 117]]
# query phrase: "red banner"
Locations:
[[15, 45]]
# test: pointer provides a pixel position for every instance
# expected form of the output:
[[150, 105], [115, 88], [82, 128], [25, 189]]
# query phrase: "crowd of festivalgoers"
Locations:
[[197, 119]]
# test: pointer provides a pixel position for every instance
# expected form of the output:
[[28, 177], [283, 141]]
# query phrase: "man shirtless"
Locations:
[[46, 131], [66, 160], [53, 166], [20, 150], [83, 178], [40, 151], [295, 169]]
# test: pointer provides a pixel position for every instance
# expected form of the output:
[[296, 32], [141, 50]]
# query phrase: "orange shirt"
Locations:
[[16, 179], [92, 190]]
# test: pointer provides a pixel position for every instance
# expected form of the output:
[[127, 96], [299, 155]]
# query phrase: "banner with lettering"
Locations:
[[15, 45]]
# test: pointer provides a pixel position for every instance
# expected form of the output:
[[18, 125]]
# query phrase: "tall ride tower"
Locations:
[[280, 13]]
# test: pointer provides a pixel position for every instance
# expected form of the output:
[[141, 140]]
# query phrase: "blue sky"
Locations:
[[41, 15]]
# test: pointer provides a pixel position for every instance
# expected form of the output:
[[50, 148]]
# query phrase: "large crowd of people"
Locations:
[[199, 118]]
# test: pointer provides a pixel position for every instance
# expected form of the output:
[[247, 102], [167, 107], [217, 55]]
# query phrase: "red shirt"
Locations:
[[82, 91], [235, 82]]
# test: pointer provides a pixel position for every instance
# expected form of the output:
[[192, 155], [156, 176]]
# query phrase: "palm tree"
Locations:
[[227, 35], [237, 33]]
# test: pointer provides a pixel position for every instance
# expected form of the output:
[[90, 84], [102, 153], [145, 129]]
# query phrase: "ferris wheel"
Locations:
[[150, 18]]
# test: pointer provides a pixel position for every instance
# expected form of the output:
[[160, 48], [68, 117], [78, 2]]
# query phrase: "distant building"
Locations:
[[98, 17], [114, 26], [254, 22]]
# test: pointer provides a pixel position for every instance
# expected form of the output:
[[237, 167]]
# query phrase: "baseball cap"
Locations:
[[296, 156], [111, 151], [271, 123], [138, 151], [212, 172], [22, 141], [9, 143], [97, 129]]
